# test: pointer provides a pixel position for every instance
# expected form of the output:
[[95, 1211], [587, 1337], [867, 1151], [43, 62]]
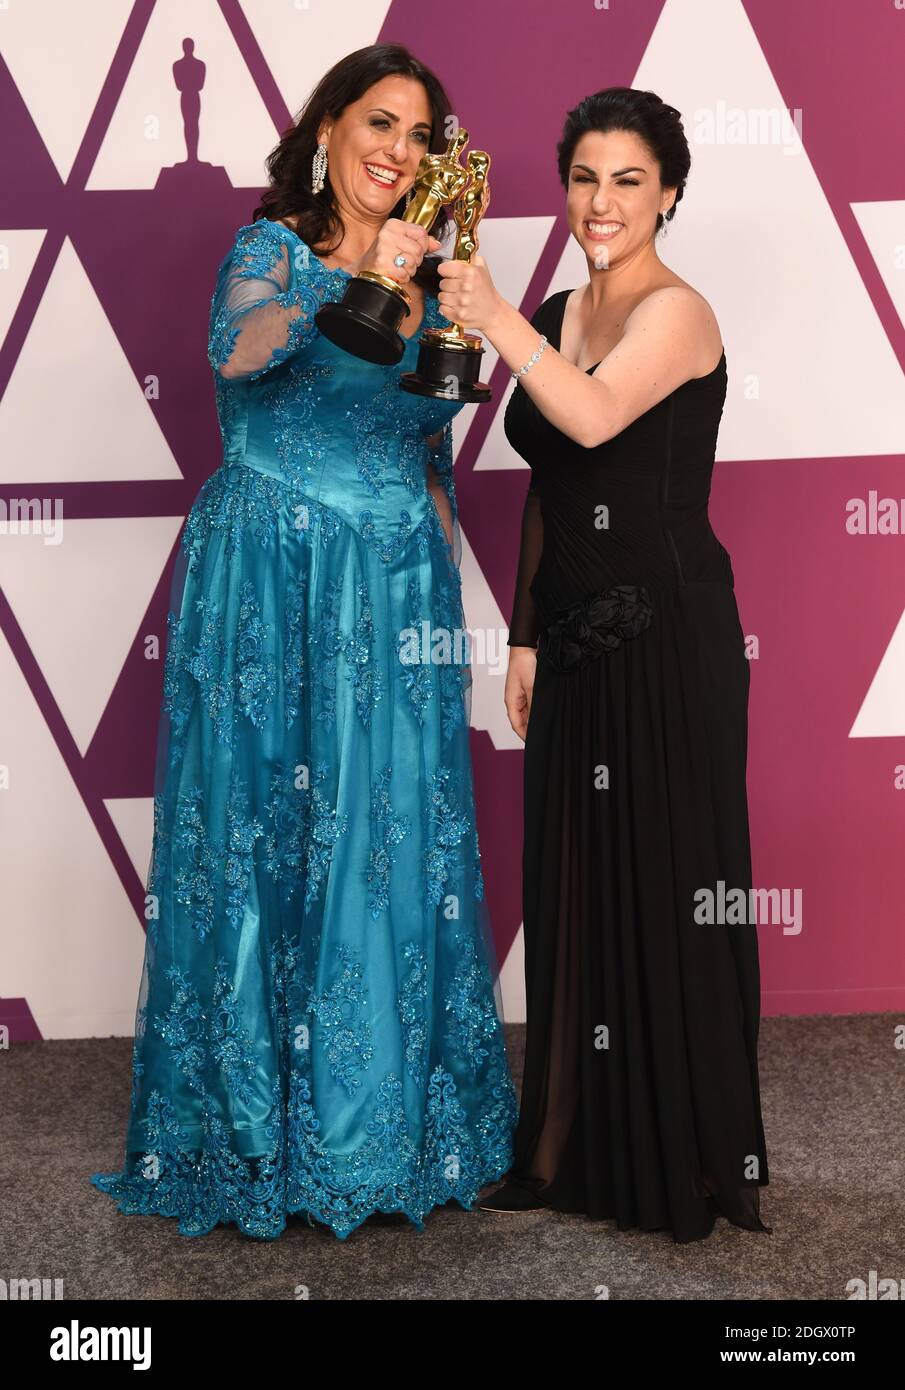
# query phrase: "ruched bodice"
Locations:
[[631, 510]]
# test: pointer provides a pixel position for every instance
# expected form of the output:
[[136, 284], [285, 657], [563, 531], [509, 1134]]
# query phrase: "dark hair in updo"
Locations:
[[644, 114]]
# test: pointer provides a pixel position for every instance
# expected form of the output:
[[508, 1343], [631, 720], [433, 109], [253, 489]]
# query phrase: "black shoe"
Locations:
[[512, 1196]]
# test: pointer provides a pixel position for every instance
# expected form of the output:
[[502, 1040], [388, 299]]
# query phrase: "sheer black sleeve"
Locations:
[[523, 629]]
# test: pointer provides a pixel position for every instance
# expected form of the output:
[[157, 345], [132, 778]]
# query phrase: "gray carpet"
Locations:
[[833, 1092]]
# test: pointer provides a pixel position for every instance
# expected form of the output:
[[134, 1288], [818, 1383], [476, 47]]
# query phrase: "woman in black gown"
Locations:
[[640, 1100]]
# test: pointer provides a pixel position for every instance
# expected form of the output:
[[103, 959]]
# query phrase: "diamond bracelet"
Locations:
[[535, 357]]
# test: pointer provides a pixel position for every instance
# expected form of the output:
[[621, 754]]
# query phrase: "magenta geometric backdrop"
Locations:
[[792, 225]]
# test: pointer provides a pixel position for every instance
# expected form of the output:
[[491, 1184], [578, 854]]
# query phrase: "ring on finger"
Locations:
[[400, 260]]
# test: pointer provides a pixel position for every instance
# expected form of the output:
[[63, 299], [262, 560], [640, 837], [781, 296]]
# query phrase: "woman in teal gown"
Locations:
[[318, 1027]]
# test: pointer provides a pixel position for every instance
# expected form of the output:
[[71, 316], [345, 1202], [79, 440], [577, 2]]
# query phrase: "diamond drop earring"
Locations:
[[318, 168], [409, 196]]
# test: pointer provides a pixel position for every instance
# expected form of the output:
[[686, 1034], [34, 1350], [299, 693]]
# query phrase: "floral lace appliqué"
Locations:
[[387, 831], [447, 830], [247, 684], [204, 1039], [338, 1011], [364, 673], [417, 676], [473, 1018], [206, 1184], [412, 1005], [247, 278], [210, 867]]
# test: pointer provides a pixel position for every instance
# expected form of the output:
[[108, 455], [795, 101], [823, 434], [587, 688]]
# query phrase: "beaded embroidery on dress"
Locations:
[[318, 1027]]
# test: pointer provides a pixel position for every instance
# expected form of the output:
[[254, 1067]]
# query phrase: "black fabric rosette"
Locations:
[[598, 624]]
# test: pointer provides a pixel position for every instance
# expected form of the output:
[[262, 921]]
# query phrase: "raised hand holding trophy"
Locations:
[[366, 321], [448, 358]]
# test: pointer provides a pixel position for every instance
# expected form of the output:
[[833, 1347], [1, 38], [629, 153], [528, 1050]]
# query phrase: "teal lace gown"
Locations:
[[318, 1026]]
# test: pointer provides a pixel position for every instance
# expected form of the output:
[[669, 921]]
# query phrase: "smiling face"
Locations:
[[375, 146], [614, 194]]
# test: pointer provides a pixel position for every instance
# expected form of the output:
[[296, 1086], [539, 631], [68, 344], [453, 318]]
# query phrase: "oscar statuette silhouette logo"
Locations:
[[192, 176]]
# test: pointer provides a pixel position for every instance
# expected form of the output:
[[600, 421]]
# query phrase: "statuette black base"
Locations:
[[366, 321], [447, 369]]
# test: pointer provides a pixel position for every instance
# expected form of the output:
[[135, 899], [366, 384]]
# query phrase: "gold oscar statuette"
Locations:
[[448, 358], [366, 320]]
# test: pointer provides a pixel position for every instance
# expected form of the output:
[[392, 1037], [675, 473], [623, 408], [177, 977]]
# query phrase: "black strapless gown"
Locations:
[[641, 1097]]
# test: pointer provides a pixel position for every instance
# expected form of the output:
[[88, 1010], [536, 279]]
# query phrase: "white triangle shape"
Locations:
[[80, 604], [59, 56], [299, 46], [488, 630], [147, 132], [133, 817], [73, 401], [883, 226], [755, 235], [511, 247], [882, 712], [18, 253], [73, 947]]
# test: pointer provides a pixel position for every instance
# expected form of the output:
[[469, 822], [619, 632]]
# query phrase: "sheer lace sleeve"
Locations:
[[256, 320], [523, 629]]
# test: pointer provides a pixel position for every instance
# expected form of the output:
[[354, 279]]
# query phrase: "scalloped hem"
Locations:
[[213, 1186], [127, 1191]]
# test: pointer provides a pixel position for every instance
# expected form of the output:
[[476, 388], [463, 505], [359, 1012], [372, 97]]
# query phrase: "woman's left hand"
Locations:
[[468, 296]]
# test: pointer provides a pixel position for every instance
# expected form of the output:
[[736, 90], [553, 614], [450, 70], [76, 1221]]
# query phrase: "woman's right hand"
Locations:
[[519, 687], [394, 238]]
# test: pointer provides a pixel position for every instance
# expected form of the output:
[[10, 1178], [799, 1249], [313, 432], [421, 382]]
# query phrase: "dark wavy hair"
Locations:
[[289, 164], [644, 114]]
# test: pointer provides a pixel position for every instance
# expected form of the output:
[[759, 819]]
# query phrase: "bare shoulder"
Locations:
[[685, 315]]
